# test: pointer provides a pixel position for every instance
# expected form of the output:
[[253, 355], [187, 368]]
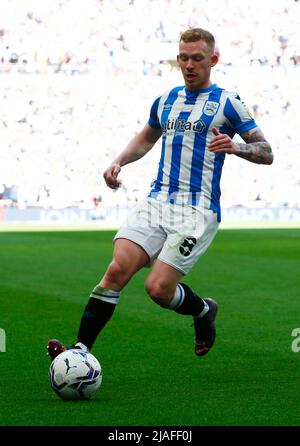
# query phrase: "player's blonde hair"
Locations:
[[195, 34]]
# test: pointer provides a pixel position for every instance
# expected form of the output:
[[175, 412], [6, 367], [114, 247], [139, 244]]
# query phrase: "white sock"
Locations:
[[178, 298], [110, 296], [82, 346]]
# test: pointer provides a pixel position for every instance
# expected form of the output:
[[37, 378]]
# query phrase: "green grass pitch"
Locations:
[[150, 373]]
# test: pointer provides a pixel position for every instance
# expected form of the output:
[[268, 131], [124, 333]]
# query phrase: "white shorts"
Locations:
[[175, 234]]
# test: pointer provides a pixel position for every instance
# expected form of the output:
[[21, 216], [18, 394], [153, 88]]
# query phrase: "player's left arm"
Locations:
[[257, 149]]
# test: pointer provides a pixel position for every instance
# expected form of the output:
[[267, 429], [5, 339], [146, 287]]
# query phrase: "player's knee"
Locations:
[[158, 292], [116, 276]]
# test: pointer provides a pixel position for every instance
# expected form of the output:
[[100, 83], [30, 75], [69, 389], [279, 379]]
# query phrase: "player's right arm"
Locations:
[[135, 149]]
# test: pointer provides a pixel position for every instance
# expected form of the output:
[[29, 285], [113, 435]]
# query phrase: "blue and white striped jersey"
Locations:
[[188, 172]]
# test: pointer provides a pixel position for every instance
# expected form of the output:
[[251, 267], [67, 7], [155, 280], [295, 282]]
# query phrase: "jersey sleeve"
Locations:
[[153, 118], [238, 115]]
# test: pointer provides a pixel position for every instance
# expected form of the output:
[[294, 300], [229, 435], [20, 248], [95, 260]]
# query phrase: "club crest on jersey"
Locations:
[[210, 108]]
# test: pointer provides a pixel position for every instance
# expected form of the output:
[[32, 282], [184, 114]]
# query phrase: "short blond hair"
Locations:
[[195, 34]]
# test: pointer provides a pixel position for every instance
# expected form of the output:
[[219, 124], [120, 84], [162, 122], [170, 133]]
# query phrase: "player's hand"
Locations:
[[111, 176], [222, 143]]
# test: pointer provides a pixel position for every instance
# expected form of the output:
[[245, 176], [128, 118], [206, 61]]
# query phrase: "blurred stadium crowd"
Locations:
[[77, 80]]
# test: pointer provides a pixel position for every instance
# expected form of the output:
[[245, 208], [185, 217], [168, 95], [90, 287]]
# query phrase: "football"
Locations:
[[75, 375]]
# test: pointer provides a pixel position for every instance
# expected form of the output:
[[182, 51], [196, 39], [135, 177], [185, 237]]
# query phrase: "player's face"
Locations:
[[196, 60]]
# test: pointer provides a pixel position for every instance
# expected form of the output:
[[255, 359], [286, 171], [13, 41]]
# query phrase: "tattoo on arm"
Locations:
[[257, 149]]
